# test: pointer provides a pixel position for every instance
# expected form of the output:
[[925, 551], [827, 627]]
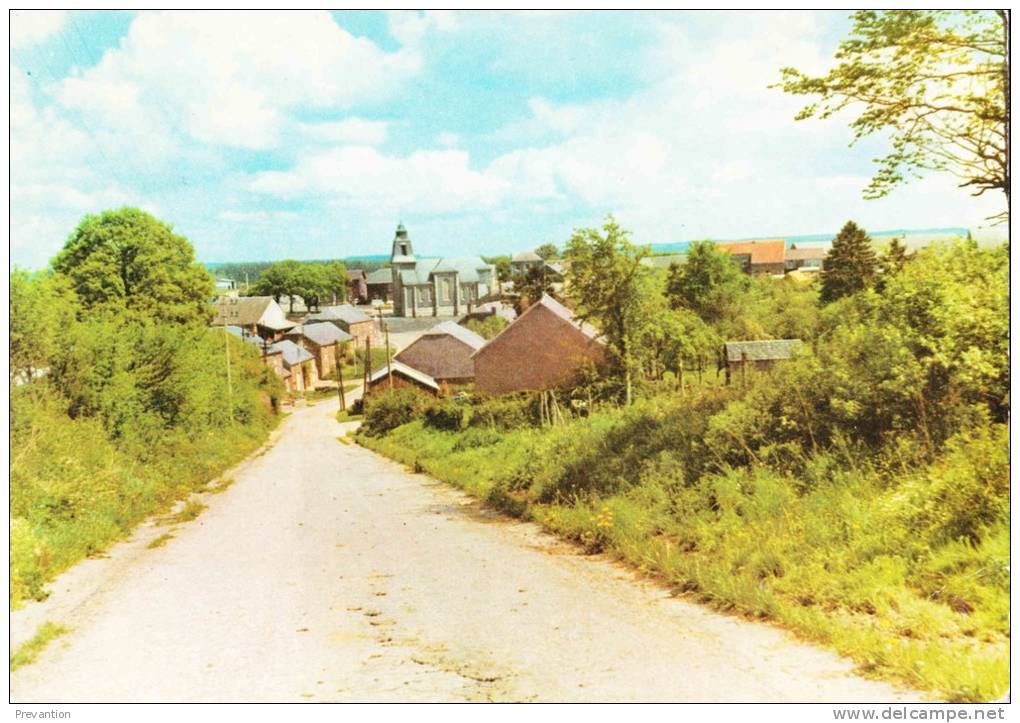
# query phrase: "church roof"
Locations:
[[466, 268]]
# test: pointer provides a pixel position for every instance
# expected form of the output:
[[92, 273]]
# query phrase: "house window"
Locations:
[[425, 295], [403, 249]]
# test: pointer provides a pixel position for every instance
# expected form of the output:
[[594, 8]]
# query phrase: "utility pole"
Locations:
[[339, 375], [230, 385], [386, 330], [368, 363]]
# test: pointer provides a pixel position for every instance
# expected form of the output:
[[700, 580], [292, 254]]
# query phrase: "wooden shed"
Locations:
[[444, 353]]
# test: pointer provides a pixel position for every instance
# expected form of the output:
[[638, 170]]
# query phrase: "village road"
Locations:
[[328, 573]]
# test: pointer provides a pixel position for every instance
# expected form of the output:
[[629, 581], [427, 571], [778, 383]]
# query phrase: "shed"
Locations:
[[259, 315], [444, 353], [759, 354], [404, 377]]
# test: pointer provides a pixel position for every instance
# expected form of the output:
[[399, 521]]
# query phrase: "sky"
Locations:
[[266, 135]]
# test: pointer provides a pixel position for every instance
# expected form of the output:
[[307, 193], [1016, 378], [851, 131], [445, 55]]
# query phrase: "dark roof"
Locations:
[[344, 312], [320, 333], [761, 350], [380, 276], [559, 310]]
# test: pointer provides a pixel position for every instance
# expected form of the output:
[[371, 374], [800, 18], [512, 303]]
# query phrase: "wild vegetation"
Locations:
[[119, 396], [857, 494], [487, 327]]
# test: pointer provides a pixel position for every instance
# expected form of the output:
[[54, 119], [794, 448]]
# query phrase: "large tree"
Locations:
[[707, 282], [548, 251], [610, 288], [936, 81], [850, 265], [127, 259]]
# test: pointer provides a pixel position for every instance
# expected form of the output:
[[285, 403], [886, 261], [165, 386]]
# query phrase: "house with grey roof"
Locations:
[[739, 356], [324, 341], [347, 318], [299, 363], [446, 286], [380, 284], [524, 262], [444, 353]]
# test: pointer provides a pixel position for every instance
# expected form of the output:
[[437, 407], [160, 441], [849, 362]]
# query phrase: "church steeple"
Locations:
[[402, 251]]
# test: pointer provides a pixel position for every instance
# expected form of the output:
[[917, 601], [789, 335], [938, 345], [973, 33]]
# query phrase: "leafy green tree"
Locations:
[[850, 264], [530, 286], [336, 279], [707, 282], [280, 279], [502, 264], [42, 307], [548, 251], [311, 282], [129, 260], [891, 262], [611, 288], [937, 81]]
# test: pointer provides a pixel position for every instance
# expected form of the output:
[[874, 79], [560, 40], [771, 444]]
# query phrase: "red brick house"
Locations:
[[542, 349], [444, 353]]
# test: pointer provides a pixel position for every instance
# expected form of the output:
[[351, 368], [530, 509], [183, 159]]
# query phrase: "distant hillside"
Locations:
[[250, 270], [682, 246]]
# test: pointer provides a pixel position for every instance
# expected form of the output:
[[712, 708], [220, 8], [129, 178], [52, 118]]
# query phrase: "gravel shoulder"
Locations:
[[329, 573]]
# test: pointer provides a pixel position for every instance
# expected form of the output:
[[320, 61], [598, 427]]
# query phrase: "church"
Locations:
[[448, 286]]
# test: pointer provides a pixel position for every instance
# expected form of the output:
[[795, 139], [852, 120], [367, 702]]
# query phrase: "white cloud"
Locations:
[[448, 140], [29, 27], [232, 78], [357, 131], [410, 27]]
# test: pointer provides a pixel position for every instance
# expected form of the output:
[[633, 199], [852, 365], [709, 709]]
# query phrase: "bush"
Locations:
[[446, 414], [504, 413], [389, 409]]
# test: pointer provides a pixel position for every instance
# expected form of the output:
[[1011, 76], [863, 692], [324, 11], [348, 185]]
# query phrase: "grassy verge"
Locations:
[[74, 493], [835, 554], [30, 650]]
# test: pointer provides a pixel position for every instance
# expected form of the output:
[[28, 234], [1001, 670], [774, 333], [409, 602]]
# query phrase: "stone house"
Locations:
[[299, 363], [758, 257], [380, 285], [524, 262], [740, 356], [322, 340], [444, 353], [404, 377], [256, 315], [542, 349], [349, 319], [447, 286]]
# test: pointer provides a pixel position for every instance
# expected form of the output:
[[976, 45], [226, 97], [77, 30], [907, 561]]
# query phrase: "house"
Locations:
[[257, 315], [224, 284], [322, 340], [298, 363], [805, 258], [542, 349], [380, 285], [349, 319], [404, 377], [357, 286], [759, 355], [444, 353], [758, 257], [524, 262], [436, 287]]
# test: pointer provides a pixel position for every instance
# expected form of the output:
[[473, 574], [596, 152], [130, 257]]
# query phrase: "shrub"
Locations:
[[446, 414], [504, 413], [389, 409]]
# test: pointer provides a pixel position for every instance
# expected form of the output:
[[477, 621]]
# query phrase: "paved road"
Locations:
[[327, 573]]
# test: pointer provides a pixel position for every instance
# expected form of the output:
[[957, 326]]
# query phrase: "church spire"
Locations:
[[402, 250]]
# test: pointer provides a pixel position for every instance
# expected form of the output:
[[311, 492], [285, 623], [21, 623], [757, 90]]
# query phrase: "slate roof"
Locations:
[[770, 251], [761, 350], [343, 312], [380, 276], [458, 332], [405, 370], [466, 268], [320, 333], [292, 353], [806, 253]]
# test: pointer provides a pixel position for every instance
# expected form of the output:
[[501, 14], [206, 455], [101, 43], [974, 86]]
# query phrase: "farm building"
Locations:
[[404, 377], [444, 353], [760, 355], [349, 319], [542, 349], [380, 285], [758, 257], [257, 315], [321, 340], [805, 258]]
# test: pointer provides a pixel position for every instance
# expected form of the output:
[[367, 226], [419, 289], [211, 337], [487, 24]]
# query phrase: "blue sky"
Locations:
[[311, 134]]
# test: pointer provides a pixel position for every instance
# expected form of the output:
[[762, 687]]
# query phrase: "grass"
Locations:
[[30, 650], [826, 555], [160, 541], [345, 415], [222, 486], [191, 510]]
